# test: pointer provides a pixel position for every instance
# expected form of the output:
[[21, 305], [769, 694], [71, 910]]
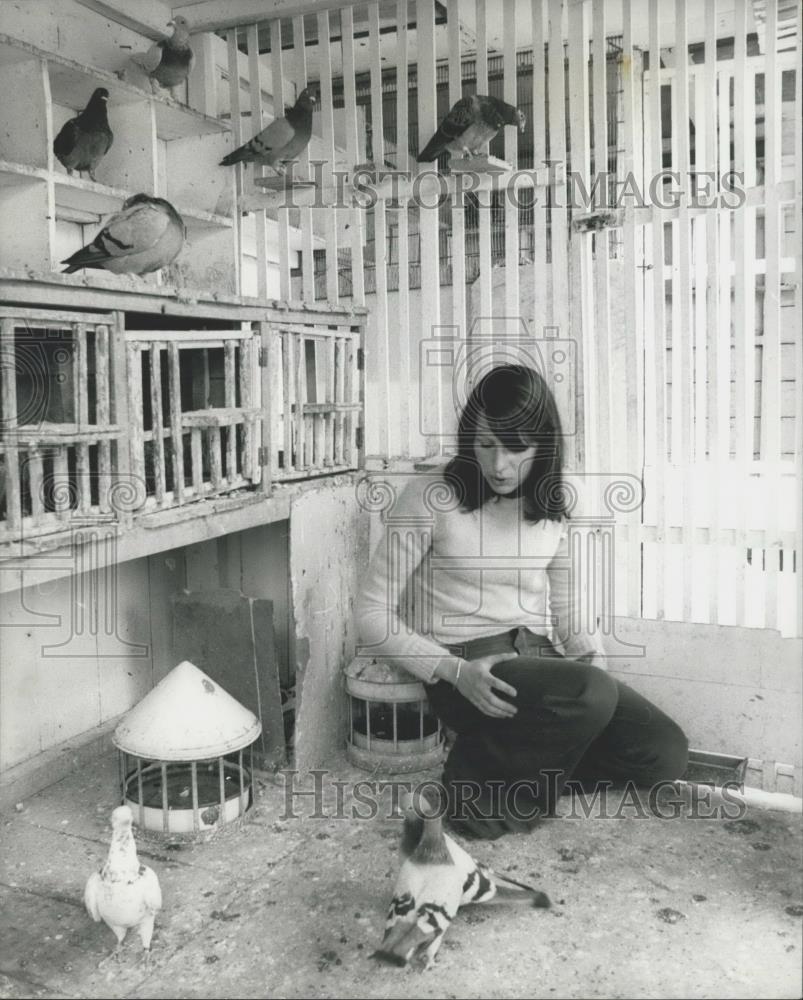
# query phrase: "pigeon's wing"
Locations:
[[151, 890], [136, 228], [494, 112], [275, 136], [460, 117], [93, 885], [478, 887], [65, 141], [151, 59]]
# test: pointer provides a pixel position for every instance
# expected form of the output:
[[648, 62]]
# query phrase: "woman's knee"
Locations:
[[671, 753]]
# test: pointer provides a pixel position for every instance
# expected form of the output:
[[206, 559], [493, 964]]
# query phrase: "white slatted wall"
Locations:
[[685, 320]]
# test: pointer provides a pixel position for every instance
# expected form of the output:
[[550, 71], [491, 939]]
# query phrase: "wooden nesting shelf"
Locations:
[[478, 165], [161, 147], [60, 434], [220, 416], [278, 192]]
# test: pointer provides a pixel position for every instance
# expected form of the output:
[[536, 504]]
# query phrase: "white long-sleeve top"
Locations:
[[441, 576]]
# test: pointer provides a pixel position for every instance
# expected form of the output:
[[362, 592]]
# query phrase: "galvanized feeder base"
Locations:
[[391, 725]]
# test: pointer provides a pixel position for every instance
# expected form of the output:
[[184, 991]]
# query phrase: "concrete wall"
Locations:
[[60, 677], [733, 690], [328, 555]]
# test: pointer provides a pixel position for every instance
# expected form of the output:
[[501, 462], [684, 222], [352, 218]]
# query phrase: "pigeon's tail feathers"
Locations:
[[509, 889], [90, 256], [433, 149], [237, 156]]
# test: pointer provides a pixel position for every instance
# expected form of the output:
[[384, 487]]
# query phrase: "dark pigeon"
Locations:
[[472, 122]]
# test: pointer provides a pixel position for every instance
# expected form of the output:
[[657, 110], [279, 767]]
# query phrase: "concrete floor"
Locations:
[[642, 907]]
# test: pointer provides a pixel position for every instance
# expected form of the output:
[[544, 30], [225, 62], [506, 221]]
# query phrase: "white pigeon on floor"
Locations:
[[436, 878], [124, 893]]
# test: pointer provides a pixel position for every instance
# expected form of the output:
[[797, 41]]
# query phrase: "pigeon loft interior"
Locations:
[[241, 313]]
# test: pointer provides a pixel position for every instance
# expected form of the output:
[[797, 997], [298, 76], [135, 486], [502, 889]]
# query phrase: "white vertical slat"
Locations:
[[682, 336], [798, 324], [743, 253], [230, 397], [658, 324], [352, 150], [771, 373], [580, 243], [705, 94], [260, 220], [282, 215], [431, 378], [458, 252], [558, 220], [305, 213], [8, 396], [542, 274], [236, 133], [135, 429], [510, 96], [177, 439], [251, 467], [103, 414], [288, 368], [406, 405], [303, 441], [602, 334], [82, 415], [36, 483], [484, 223], [381, 396], [157, 424], [328, 123], [724, 466], [634, 331]]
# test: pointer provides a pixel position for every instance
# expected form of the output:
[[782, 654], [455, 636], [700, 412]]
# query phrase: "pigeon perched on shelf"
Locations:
[[145, 235], [124, 894], [168, 62], [470, 123], [84, 140], [282, 141], [436, 878]]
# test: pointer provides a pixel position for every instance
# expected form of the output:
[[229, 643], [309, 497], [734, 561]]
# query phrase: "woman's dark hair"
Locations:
[[521, 412]]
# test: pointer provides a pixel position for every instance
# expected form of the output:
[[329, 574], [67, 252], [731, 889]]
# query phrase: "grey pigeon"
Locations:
[[84, 140], [124, 894], [470, 123], [145, 235], [282, 141], [436, 878], [169, 61]]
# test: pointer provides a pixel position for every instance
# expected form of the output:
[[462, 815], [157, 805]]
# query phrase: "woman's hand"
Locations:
[[477, 684]]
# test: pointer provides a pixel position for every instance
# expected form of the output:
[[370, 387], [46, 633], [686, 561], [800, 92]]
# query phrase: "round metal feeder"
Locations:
[[391, 725], [181, 756]]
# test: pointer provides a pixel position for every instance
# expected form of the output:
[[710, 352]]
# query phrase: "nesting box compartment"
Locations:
[[391, 724]]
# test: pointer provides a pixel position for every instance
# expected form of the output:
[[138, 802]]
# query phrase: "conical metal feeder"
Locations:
[[181, 756]]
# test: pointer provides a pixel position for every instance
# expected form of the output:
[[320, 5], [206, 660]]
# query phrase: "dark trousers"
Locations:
[[574, 723]]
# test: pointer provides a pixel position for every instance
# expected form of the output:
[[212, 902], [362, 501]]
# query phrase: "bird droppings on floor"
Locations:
[[284, 906]]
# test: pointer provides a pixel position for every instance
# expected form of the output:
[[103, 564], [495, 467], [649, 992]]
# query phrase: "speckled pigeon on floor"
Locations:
[[471, 122], [436, 878], [147, 234], [124, 894], [84, 140]]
